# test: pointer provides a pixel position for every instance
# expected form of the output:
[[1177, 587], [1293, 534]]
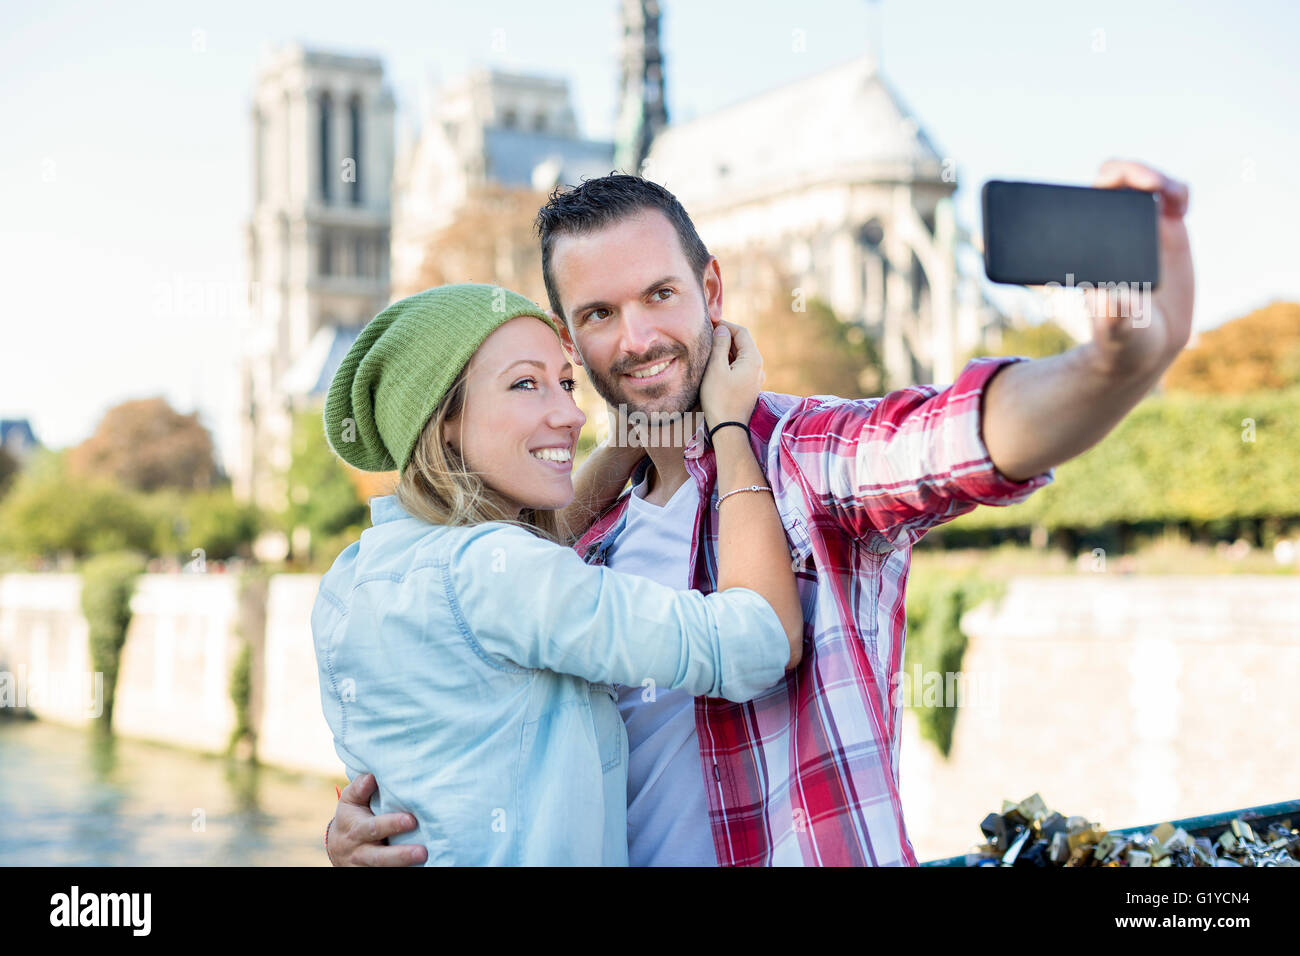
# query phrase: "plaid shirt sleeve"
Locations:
[[888, 469]]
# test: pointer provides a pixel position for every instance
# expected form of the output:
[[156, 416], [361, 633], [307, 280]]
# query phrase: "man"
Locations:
[[808, 773]]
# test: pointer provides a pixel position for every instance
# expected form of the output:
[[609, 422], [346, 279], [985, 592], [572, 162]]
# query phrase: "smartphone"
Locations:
[[1040, 233]]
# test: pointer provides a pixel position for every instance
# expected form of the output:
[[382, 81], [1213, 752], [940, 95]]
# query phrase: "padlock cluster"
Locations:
[[1029, 834]]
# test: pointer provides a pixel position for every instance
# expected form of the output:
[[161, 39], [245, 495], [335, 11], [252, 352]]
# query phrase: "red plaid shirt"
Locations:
[[807, 774]]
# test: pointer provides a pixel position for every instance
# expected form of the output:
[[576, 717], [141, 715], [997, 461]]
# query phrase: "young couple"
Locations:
[[704, 677]]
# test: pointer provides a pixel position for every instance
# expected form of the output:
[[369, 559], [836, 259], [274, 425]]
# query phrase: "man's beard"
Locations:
[[684, 399]]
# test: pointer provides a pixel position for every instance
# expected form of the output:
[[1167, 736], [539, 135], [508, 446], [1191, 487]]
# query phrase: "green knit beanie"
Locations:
[[403, 363]]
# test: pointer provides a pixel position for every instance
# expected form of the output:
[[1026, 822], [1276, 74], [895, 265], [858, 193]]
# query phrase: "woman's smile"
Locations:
[[557, 458]]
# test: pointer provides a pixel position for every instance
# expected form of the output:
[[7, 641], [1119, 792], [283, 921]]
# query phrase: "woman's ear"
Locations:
[[450, 427]]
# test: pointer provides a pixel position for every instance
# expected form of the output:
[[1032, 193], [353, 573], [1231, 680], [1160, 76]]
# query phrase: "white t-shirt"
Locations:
[[667, 807]]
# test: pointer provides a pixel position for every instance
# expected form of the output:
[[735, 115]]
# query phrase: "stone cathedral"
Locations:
[[829, 176], [317, 241]]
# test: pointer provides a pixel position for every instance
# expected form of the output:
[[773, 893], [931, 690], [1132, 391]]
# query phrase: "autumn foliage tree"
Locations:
[[806, 348], [492, 241], [1257, 352], [146, 445]]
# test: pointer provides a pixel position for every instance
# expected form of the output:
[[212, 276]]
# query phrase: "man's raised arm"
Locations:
[[1040, 413], [886, 470]]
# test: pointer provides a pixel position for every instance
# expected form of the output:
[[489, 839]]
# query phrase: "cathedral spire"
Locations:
[[643, 110], [875, 35]]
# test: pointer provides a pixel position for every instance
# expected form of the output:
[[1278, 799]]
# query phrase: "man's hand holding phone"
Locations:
[[1122, 242], [1125, 338], [1036, 415]]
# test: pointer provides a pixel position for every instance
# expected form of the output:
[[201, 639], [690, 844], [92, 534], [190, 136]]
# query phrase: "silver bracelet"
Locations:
[[722, 498]]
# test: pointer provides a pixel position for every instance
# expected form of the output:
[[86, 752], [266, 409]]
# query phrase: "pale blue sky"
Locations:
[[124, 180]]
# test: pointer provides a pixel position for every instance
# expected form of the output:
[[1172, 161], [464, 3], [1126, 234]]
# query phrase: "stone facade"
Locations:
[[1128, 700]]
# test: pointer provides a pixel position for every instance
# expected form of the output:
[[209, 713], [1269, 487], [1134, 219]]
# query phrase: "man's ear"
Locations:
[[711, 282], [566, 340]]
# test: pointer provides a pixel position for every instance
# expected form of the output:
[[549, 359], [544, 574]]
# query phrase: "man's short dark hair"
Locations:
[[597, 203]]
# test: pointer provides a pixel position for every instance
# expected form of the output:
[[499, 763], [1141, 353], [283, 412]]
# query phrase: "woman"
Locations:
[[465, 653]]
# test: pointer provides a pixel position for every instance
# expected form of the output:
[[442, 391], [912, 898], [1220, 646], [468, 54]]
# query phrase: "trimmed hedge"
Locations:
[[1175, 458]]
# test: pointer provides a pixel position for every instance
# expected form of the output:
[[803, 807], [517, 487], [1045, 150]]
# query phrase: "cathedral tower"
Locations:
[[317, 240]]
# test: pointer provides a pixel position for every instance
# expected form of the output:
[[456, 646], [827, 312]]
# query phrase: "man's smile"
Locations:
[[652, 373]]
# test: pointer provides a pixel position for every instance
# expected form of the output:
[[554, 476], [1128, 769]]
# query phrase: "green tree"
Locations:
[[8, 469], [48, 513], [322, 498], [1035, 341], [212, 521], [222, 526]]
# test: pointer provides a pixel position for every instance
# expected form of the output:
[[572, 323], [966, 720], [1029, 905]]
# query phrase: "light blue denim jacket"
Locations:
[[470, 670]]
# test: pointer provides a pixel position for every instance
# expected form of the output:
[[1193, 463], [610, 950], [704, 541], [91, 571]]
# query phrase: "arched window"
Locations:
[[871, 233], [354, 120], [326, 170]]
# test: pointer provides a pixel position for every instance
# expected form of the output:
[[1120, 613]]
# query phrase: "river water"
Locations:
[[70, 798]]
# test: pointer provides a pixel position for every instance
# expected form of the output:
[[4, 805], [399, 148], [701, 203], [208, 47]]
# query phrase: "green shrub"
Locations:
[[250, 629], [107, 585], [322, 498], [937, 645], [241, 689]]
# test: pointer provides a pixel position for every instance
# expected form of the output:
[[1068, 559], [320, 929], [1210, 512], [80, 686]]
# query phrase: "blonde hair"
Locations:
[[437, 487]]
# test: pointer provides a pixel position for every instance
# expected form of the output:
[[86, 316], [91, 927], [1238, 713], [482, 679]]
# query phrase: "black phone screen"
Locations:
[[1041, 234]]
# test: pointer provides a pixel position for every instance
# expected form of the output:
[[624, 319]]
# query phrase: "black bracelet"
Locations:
[[724, 425]]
